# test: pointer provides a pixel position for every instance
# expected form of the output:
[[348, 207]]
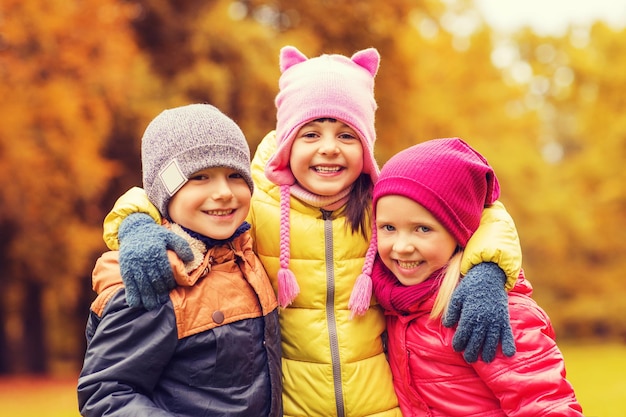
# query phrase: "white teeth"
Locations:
[[220, 212], [408, 265], [327, 169]]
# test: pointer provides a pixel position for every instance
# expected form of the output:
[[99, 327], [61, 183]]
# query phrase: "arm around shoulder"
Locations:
[[497, 241], [132, 201]]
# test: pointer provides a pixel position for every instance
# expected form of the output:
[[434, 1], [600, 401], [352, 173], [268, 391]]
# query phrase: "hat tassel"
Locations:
[[361, 296], [288, 287]]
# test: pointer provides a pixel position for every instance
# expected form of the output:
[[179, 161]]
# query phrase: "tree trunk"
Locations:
[[4, 351], [34, 347]]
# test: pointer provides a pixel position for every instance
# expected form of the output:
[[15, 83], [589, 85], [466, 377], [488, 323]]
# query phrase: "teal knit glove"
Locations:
[[480, 306], [145, 267]]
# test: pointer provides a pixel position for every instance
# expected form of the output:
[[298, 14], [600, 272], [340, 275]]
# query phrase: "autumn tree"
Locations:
[[65, 68], [212, 51], [571, 200], [80, 80]]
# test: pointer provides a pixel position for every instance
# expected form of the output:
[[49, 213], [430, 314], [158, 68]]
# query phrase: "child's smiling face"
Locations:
[[412, 243], [214, 202], [326, 157]]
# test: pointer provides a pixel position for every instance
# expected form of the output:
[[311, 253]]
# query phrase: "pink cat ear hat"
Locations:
[[327, 86], [331, 86]]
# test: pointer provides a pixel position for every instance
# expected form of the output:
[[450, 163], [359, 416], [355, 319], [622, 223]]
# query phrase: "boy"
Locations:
[[213, 348]]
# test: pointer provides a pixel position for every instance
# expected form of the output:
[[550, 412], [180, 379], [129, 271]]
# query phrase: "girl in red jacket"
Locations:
[[428, 202]]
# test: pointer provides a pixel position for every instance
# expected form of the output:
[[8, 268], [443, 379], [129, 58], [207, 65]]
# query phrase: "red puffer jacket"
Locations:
[[431, 379]]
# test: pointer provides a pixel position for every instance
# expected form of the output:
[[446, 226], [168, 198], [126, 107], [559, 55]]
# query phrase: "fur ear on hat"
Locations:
[[369, 59], [290, 56]]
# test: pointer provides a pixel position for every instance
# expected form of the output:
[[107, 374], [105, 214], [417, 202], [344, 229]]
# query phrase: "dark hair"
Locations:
[[359, 206]]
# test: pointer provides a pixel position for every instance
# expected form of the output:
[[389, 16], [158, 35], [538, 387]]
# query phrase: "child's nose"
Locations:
[[328, 145], [221, 189], [403, 245]]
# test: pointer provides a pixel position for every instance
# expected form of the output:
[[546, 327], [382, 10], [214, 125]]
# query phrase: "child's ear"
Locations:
[[290, 56], [369, 59]]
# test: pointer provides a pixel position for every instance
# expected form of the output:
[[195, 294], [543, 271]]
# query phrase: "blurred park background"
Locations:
[[80, 80]]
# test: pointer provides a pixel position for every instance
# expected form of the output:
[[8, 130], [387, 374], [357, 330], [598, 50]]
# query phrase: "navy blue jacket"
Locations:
[[212, 350]]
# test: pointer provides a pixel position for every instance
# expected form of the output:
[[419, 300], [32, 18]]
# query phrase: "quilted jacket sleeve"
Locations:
[[497, 241], [532, 382], [262, 155], [264, 152], [132, 201], [126, 353]]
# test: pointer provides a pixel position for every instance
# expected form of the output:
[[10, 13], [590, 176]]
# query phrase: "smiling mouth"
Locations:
[[220, 212], [407, 264], [327, 170]]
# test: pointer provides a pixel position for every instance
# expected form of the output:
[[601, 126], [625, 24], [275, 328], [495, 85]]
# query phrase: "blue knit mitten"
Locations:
[[144, 264], [480, 306]]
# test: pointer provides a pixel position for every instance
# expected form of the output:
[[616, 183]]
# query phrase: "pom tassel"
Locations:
[[361, 296], [288, 287]]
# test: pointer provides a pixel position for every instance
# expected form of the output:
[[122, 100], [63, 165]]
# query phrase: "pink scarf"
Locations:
[[393, 296], [330, 203]]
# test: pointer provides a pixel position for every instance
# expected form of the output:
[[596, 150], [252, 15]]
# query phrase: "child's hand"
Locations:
[[144, 264], [480, 306]]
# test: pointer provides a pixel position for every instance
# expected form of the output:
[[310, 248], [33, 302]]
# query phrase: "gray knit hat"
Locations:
[[185, 140]]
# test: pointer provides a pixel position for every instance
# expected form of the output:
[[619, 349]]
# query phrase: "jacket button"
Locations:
[[218, 317]]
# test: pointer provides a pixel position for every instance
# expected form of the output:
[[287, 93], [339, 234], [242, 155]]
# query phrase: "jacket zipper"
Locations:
[[330, 311]]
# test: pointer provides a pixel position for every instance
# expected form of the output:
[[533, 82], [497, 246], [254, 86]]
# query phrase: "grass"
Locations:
[[596, 372], [38, 396]]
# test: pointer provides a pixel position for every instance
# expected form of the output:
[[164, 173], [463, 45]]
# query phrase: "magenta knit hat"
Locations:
[[446, 176], [328, 86], [332, 86], [449, 178]]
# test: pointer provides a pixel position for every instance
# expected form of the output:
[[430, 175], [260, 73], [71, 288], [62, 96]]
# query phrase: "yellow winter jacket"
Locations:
[[332, 366]]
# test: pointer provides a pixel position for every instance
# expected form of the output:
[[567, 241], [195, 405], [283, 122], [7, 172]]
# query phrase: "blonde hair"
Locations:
[[449, 282]]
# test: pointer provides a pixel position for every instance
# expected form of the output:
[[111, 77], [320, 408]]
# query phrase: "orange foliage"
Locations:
[[79, 80]]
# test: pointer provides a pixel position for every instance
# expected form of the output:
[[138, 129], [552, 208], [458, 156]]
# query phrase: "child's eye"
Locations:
[[347, 136], [198, 177], [309, 135], [387, 228], [423, 229], [235, 175]]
